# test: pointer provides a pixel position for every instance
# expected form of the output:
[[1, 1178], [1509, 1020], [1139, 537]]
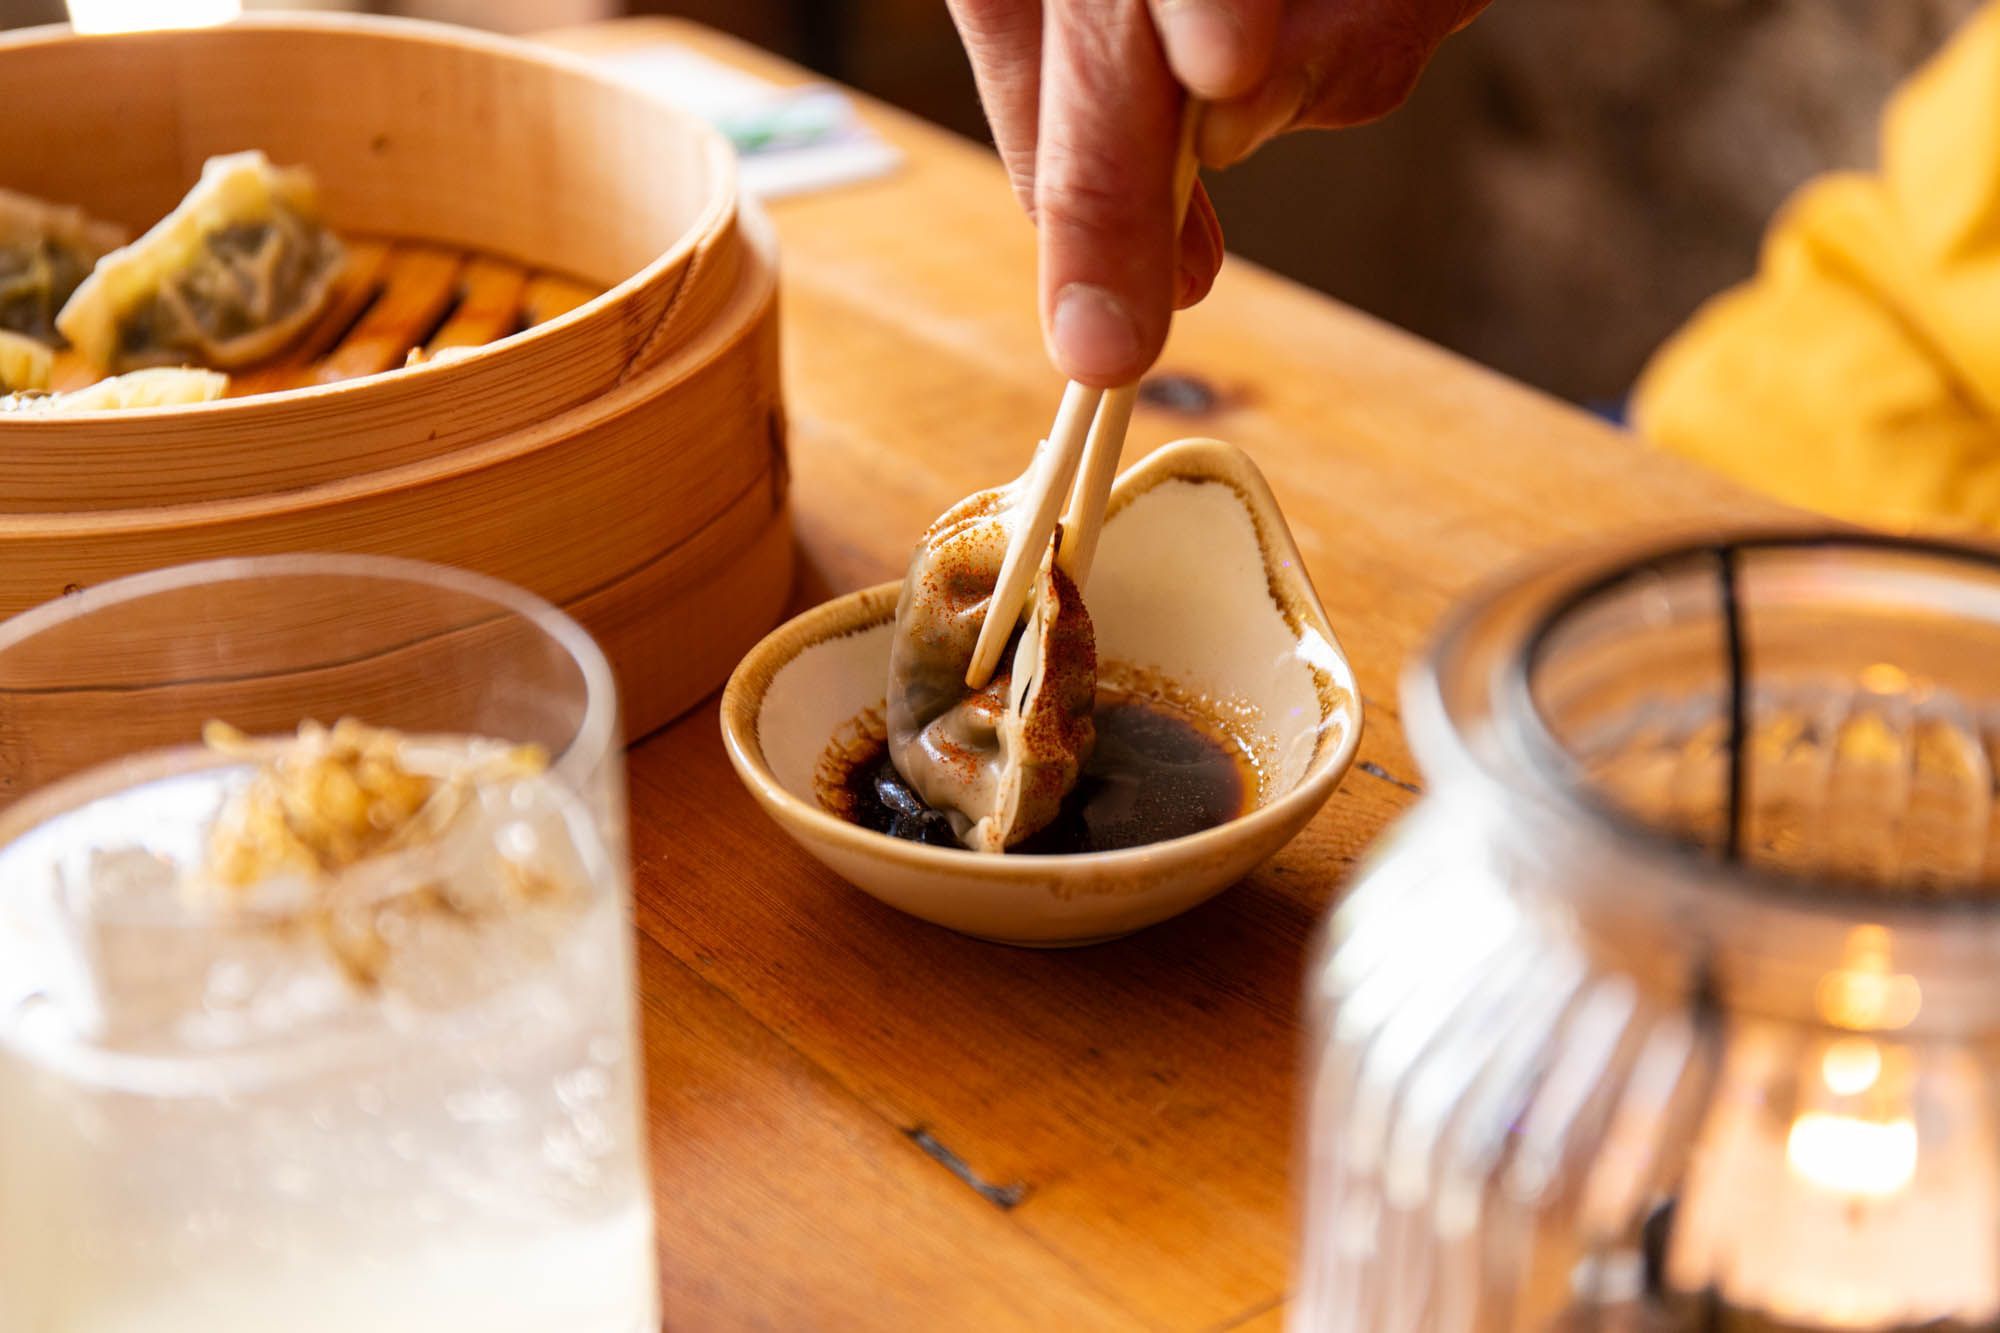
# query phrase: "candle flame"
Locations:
[[101, 16], [1846, 1154], [1885, 678], [1865, 994], [1851, 1066], [1869, 1001]]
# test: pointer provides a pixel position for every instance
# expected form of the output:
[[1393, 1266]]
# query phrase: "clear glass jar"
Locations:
[[1675, 1003]]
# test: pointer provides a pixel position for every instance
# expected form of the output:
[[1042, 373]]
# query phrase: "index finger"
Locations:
[[1003, 39], [1110, 128]]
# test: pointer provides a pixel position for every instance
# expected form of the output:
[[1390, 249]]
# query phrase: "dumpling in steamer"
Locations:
[[161, 386], [997, 761], [25, 365], [228, 278], [46, 251]]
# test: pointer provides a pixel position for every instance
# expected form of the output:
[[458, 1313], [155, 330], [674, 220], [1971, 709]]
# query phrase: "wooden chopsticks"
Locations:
[[1082, 452], [1084, 519], [1049, 479]]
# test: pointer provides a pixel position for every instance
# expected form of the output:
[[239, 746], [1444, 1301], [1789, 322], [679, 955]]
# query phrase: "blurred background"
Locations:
[[1572, 178]]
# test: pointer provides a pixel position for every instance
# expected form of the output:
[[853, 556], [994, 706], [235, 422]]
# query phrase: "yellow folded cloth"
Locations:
[[1859, 372]]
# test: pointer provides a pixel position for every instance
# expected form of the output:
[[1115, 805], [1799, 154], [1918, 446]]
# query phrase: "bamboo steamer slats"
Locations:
[[489, 306], [419, 285], [608, 432]]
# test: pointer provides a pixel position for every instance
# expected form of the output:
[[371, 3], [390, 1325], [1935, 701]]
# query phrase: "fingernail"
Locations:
[[1095, 336], [1205, 45]]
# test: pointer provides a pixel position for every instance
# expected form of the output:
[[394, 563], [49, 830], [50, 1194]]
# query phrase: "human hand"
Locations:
[[1085, 98]]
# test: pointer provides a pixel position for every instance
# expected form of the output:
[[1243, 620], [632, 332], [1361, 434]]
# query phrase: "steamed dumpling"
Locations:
[[46, 251], [228, 278], [24, 363], [161, 386], [999, 761]]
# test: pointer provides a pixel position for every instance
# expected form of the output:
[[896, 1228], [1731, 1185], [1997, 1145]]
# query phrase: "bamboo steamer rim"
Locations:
[[716, 213], [755, 289]]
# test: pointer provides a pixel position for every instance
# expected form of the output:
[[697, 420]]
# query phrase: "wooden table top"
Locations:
[[862, 1121]]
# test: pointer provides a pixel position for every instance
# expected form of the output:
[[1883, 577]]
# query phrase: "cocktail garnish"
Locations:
[[324, 802]]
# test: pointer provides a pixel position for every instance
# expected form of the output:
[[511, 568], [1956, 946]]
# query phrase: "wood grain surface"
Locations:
[[859, 1121]]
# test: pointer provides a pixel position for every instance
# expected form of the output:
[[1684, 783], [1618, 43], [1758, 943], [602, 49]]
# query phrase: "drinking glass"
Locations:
[[250, 1118]]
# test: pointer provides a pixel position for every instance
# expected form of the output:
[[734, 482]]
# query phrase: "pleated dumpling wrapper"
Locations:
[[996, 761], [25, 365], [46, 251], [161, 386], [229, 278]]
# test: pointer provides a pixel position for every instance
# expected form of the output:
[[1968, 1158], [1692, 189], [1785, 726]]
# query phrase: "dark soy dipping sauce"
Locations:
[[1156, 773]]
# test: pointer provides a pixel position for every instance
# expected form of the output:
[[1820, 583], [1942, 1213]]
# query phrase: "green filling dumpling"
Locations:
[[46, 252], [229, 278]]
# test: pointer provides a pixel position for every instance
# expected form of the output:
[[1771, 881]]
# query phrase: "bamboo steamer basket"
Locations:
[[623, 457]]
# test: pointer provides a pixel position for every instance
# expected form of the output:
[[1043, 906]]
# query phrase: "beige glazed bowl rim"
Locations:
[[872, 607]]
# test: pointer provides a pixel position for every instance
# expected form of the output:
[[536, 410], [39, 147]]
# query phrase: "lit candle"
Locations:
[[1845, 1180]]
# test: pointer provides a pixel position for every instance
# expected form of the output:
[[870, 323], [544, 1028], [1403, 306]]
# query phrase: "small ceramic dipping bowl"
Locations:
[[1197, 583]]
